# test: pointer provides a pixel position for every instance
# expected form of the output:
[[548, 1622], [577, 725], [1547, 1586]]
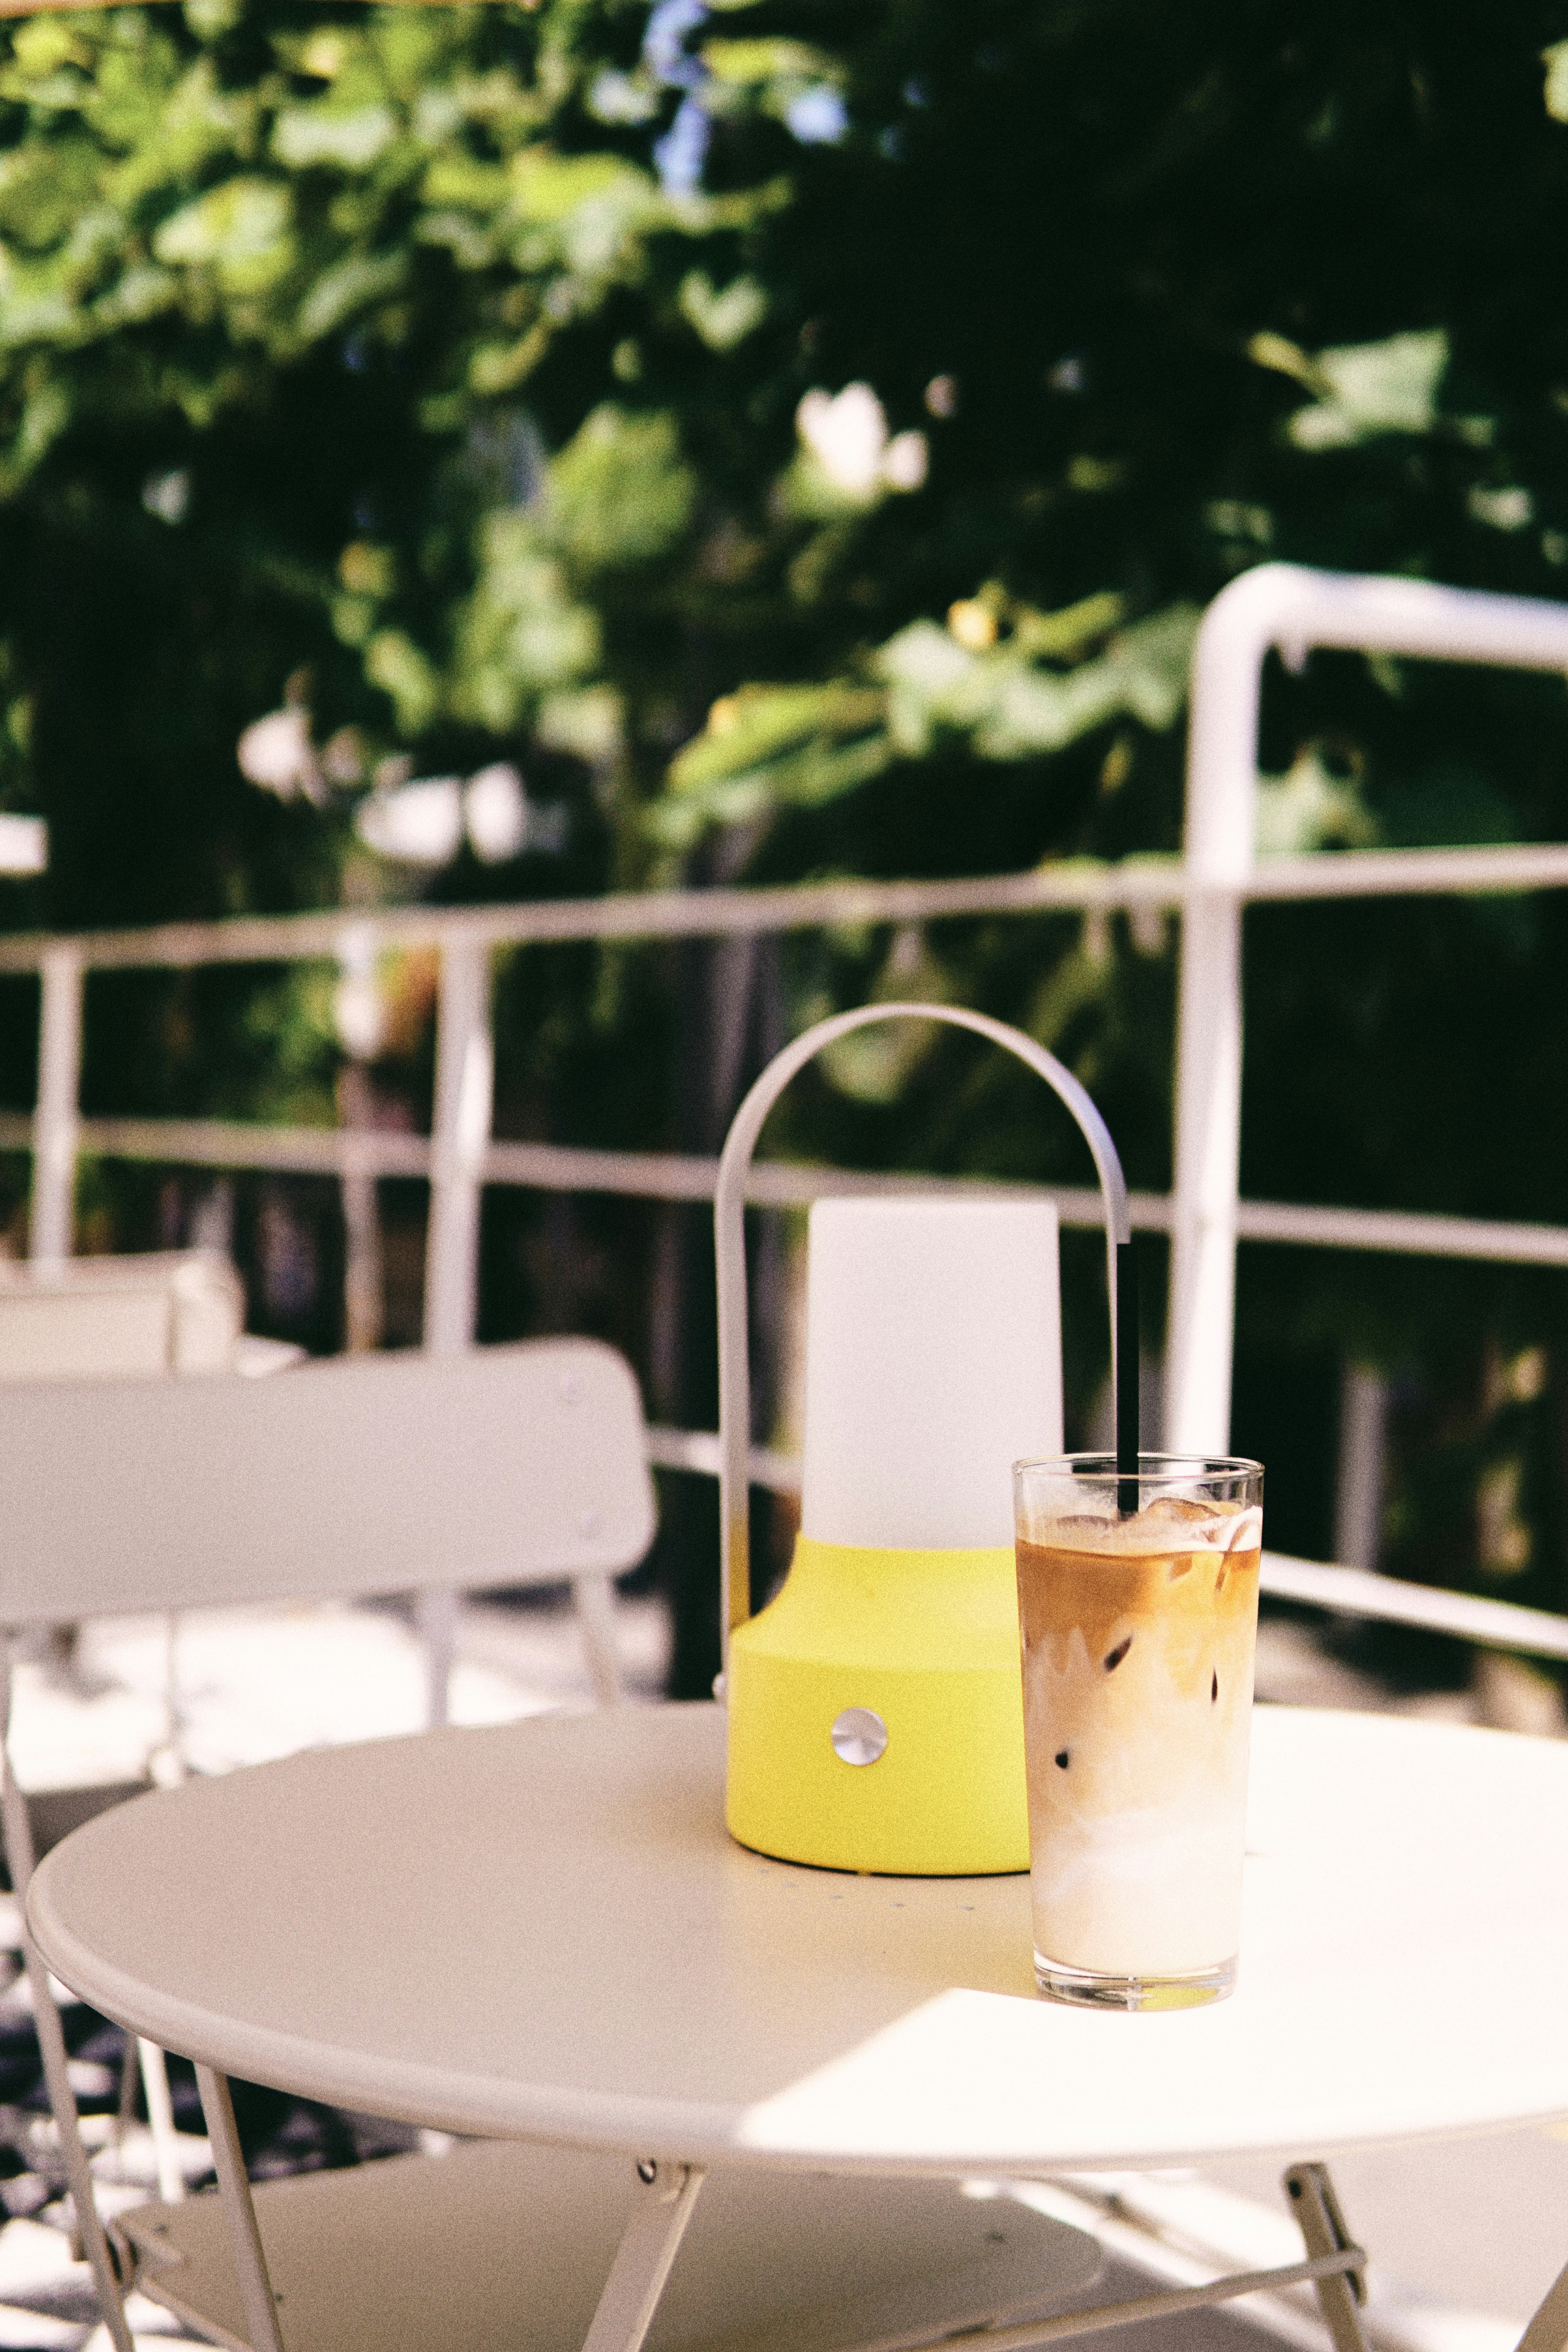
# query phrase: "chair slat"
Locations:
[[516, 1464]]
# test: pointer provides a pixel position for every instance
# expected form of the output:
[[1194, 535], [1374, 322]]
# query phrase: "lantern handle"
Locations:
[[730, 1245]]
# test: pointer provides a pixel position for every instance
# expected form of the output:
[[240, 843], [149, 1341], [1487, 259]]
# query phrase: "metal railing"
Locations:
[[1274, 608]]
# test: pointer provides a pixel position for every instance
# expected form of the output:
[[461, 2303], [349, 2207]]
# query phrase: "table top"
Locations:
[[542, 1931]]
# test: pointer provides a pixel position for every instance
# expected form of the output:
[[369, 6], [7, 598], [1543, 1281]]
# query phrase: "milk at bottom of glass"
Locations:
[[1137, 1699]]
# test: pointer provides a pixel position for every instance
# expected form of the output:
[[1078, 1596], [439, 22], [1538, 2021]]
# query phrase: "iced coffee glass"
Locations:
[[1138, 1610]]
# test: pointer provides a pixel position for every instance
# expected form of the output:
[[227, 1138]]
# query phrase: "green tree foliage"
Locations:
[[803, 439]]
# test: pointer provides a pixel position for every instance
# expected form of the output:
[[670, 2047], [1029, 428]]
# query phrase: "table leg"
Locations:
[[1335, 2267], [1548, 2331], [256, 2294], [1165, 2304], [1322, 2226], [666, 2194], [594, 1598]]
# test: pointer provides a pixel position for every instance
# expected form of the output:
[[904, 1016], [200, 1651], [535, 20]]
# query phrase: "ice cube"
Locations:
[[1178, 1508], [1086, 1523], [1245, 1531]]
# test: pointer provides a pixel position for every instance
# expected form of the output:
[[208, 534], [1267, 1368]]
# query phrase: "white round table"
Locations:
[[542, 1931]]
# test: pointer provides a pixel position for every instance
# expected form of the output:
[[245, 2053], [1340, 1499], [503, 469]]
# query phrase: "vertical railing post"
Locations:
[[360, 1025], [57, 1113], [1283, 605], [465, 1074], [1221, 788], [1359, 1476], [465, 1070]]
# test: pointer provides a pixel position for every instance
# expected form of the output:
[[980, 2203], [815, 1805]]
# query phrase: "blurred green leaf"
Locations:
[[520, 634], [750, 62], [724, 317], [1556, 61], [1310, 808], [620, 494], [304, 135], [1012, 709], [350, 286], [1374, 388], [396, 664], [240, 230]]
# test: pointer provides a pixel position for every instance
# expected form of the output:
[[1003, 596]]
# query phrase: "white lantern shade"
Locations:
[[932, 1363]]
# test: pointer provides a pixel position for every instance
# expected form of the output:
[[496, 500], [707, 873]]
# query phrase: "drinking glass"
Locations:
[[1139, 1626]]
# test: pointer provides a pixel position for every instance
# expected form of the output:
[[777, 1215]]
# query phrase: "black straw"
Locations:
[[1126, 1381]]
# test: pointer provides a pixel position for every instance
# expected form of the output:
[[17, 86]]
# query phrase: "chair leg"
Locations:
[[170, 1763], [666, 2194], [129, 2075], [597, 1617], [436, 1616], [260, 2304], [161, 2121], [18, 1841]]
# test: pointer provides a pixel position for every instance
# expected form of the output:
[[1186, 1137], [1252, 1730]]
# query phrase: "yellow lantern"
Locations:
[[875, 1707]]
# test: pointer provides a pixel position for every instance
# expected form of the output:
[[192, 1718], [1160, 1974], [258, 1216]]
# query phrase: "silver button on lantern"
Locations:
[[859, 1736]]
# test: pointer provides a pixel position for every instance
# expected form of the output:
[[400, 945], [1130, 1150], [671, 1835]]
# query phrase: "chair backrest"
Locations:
[[519, 1465], [90, 1317]]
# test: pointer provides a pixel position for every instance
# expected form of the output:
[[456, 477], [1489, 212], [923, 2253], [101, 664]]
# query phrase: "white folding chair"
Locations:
[[376, 1474], [154, 1313]]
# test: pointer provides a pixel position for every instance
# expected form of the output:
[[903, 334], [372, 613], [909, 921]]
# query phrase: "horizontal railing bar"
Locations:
[[1070, 884], [1510, 868], [1361, 1592], [780, 1185], [1404, 1235], [237, 1143], [543, 1167], [1354, 1591], [629, 915], [674, 1176], [1345, 1591], [698, 1449], [1348, 1591]]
